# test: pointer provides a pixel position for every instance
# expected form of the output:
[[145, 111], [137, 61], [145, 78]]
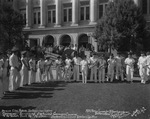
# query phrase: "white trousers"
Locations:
[[142, 73], [129, 73], [76, 73], [101, 75], [119, 72], [84, 75], [58, 73], [94, 73], [111, 73], [13, 79]]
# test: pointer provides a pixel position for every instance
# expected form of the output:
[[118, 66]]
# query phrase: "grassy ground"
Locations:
[[76, 98]]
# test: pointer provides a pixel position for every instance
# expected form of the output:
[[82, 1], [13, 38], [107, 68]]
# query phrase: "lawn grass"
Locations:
[[75, 98]]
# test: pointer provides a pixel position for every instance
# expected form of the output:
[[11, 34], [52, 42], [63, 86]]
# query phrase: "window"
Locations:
[[23, 13], [84, 10], [70, 14], [65, 15], [36, 16], [144, 6], [67, 12], [102, 9], [39, 18], [51, 14]]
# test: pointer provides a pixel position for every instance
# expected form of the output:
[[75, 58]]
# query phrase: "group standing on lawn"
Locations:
[[17, 72]]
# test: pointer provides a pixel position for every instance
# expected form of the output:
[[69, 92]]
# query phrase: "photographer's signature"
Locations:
[[117, 114]]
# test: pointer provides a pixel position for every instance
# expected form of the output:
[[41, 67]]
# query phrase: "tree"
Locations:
[[11, 26], [122, 27]]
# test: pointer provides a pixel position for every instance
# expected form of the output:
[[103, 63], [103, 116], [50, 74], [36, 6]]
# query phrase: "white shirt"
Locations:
[[1, 63], [111, 63], [142, 62], [93, 60], [32, 64], [148, 61], [13, 61], [68, 62], [129, 62], [118, 61], [58, 63], [84, 64], [76, 60]]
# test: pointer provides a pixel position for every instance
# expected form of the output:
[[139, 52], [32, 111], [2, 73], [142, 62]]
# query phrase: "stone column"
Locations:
[[43, 12], [28, 14], [75, 11], [58, 13], [93, 11]]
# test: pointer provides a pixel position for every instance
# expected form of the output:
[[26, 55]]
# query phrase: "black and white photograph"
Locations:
[[74, 59]]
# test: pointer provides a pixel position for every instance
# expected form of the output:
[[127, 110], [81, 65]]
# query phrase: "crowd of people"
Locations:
[[18, 71]]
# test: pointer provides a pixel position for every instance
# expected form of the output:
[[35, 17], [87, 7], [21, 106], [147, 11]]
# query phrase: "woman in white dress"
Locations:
[[32, 75], [40, 69], [5, 74], [24, 70]]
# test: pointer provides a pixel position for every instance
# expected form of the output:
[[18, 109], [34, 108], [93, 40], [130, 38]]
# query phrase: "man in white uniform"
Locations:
[[67, 74], [142, 68], [129, 67], [119, 67], [14, 70], [101, 69], [148, 65], [58, 68], [76, 61], [93, 66]]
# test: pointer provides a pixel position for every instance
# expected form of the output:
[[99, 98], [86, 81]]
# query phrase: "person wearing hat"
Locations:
[[84, 69], [24, 69], [101, 69], [1, 75], [58, 63], [129, 61], [76, 61], [142, 67], [119, 67], [111, 68], [14, 70], [93, 66]]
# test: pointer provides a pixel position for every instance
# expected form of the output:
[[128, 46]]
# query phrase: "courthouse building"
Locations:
[[64, 22]]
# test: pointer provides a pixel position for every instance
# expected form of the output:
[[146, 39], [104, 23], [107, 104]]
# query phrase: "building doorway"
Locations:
[[48, 41], [65, 40]]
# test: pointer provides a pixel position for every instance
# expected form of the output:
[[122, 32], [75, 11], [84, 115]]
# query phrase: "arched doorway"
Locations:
[[65, 40], [83, 41], [48, 41]]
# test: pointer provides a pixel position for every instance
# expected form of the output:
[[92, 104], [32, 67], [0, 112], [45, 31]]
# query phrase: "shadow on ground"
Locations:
[[44, 90]]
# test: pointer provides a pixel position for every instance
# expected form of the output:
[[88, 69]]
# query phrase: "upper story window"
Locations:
[[102, 9], [144, 6], [67, 12], [51, 15], [23, 13], [36, 16], [84, 10]]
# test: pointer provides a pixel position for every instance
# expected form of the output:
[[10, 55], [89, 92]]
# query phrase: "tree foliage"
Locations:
[[122, 27], [11, 26]]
